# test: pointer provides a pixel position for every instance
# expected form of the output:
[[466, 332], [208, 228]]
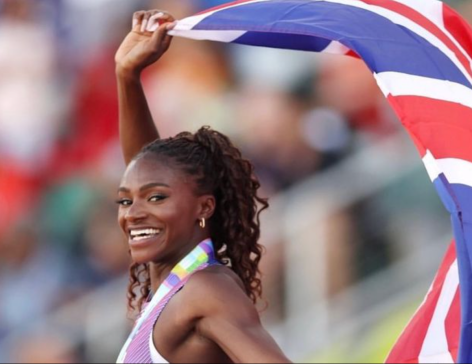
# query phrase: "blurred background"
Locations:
[[354, 234]]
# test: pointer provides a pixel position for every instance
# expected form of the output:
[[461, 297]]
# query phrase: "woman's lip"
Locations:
[[130, 229], [145, 241]]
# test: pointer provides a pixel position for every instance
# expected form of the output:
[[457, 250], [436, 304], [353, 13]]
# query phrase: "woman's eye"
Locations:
[[124, 202], [156, 198]]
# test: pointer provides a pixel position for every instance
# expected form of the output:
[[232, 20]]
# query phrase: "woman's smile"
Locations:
[[143, 236]]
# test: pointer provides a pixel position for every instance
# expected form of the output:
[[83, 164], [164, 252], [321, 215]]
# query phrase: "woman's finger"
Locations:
[[154, 22], [157, 19], [144, 23], [166, 42], [146, 18], [168, 38], [159, 35], [171, 25], [160, 39], [165, 15], [137, 19]]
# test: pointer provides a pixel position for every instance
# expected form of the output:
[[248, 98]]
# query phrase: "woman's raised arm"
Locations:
[[144, 45]]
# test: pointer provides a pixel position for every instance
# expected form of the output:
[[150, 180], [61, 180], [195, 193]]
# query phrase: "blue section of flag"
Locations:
[[284, 41], [383, 45], [462, 225], [461, 231], [457, 198], [444, 189], [463, 194]]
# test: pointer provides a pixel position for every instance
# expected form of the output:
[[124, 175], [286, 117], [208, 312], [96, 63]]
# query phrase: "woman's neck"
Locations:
[[159, 271]]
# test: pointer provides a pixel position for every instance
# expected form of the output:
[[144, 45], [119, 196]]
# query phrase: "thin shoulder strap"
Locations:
[[160, 307]]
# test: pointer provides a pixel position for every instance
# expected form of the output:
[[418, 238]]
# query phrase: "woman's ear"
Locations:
[[207, 204]]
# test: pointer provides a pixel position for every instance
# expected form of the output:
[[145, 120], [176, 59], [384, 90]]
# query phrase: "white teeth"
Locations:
[[143, 233], [138, 238]]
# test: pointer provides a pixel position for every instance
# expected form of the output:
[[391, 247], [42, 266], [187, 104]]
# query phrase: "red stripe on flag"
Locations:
[[458, 28], [453, 325], [426, 23], [351, 53], [443, 127], [408, 347]]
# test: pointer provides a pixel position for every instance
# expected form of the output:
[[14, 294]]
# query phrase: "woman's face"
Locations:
[[159, 211]]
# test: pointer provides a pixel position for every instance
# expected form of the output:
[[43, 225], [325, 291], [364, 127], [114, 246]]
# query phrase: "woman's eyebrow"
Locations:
[[153, 184], [145, 187]]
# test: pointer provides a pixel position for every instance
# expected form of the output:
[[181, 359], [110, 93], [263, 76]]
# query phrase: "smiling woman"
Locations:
[[190, 210], [156, 206]]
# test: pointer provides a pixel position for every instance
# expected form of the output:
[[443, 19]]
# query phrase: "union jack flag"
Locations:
[[419, 51]]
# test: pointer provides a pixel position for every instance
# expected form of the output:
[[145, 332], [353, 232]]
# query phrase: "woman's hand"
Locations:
[[146, 43]]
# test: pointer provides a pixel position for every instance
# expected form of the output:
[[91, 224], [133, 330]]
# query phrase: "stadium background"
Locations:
[[354, 234]]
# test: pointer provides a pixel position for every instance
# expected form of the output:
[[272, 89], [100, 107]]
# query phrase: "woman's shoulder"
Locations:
[[215, 278], [212, 290]]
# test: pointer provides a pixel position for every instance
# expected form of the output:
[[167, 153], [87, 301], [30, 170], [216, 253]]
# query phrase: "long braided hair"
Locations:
[[219, 169]]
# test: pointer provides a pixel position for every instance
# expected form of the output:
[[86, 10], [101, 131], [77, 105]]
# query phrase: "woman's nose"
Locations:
[[136, 212]]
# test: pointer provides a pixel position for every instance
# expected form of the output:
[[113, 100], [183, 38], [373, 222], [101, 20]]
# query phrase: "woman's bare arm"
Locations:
[[144, 45], [226, 316]]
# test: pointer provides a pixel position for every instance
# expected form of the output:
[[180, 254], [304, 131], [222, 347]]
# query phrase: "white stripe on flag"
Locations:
[[457, 171], [226, 36], [435, 347], [431, 166], [402, 84], [431, 9], [336, 48], [409, 24], [434, 11]]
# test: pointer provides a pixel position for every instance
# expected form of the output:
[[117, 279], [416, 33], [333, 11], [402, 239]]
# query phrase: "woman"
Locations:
[[189, 208]]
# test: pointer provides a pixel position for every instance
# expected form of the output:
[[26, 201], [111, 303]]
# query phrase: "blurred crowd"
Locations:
[[292, 114]]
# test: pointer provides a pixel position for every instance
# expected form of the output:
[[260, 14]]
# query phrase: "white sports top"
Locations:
[[141, 349], [155, 355]]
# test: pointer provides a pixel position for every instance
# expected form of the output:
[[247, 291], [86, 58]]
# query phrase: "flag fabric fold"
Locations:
[[420, 53]]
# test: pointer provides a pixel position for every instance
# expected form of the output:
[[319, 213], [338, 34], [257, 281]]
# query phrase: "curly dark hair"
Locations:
[[219, 169]]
